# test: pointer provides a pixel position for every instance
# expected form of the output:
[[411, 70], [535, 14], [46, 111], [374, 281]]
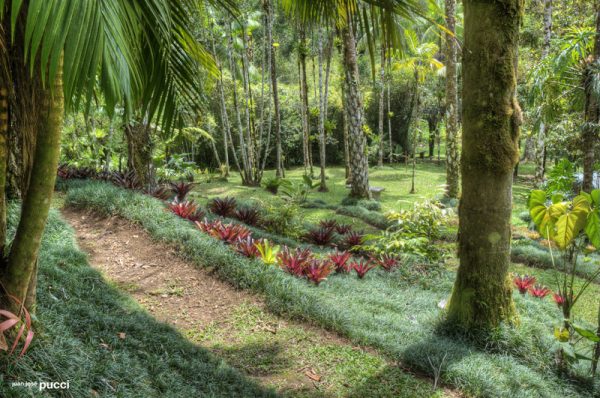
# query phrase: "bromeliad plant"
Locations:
[[294, 261], [328, 224], [386, 261], [352, 240], [268, 251], [159, 192], [21, 323], [228, 233], [248, 215], [223, 207], [539, 291], [319, 236], [247, 247], [341, 261], [317, 270], [343, 229], [570, 225], [187, 209], [361, 267], [181, 189], [523, 283]]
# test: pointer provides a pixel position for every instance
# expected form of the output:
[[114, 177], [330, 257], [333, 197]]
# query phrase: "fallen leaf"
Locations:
[[312, 375], [122, 335]]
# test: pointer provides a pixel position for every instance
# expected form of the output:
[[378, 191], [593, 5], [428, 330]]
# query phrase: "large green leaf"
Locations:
[[541, 214], [572, 222]]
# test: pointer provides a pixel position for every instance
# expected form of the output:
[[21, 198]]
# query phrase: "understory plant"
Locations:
[[186, 209], [268, 251], [570, 226], [361, 267], [223, 207], [319, 236], [181, 189], [248, 215], [294, 261], [386, 261], [247, 247], [341, 261], [15, 328], [317, 270]]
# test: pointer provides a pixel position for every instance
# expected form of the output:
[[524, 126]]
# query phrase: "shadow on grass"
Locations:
[[104, 344]]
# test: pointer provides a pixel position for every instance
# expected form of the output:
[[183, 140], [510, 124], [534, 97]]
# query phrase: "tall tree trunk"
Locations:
[[3, 162], [345, 128], [22, 259], [381, 103], [302, 50], [389, 119], [540, 140], [359, 167], [139, 151], [482, 294], [322, 114], [277, 118], [452, 161], [592, 112]]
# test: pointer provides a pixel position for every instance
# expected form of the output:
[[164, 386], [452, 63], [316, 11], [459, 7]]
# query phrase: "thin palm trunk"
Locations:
[[482, 294], [3, 165], [359, 167], [19, 278], [322, 114], [381, 103], [389, 120], [452, 160], [540, 143]]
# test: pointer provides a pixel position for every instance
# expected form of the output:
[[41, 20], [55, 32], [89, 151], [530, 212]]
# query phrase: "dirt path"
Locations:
[[297, 359]]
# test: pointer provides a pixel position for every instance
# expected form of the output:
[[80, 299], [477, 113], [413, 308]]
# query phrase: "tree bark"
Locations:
[[540, 142], [302, 49], [139, 151], [3, 164], [482, 294], [381, 103], [359, 167], [322, 115], [452, 160], [22, 259], [592, 113], [278, 150]]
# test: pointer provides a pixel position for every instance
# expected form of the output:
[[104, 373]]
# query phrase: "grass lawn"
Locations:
[[398, 315]]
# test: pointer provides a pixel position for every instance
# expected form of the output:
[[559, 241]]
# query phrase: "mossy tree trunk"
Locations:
[[19, 278], [452, 161], [592, 112], [139, 151], [359, 167], [482, 295], [3, 163]]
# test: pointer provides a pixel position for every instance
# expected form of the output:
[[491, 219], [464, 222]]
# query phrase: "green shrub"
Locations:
[[373, 218], [372, 205]]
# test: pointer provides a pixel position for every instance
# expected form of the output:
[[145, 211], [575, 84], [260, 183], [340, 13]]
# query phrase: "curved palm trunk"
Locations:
[[452, 161], [359, 167], [19, 278], [540, 143], [482, 295], [592, 114]]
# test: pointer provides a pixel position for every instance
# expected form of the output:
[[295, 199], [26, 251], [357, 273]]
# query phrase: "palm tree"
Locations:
[[482, 294], [73, 43], [452, 161]]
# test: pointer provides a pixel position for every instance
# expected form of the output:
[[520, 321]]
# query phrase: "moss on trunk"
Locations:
[[139, 151], [482, 295]]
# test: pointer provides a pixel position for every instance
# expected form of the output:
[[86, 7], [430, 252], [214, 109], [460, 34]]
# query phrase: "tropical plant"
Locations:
[[328, 224], [319, 236], [341, 261], [247, 247], [268, 251], [248, 215], [228, 233], [181, 189], [223, 207], [385, 261], [21, 322], [524, 283], [352, 240], [273, 184], [361, 267], [561, 179], [159, 192], [539, 291], [317, 270], [343, 229], [186, 209], [294, 261]]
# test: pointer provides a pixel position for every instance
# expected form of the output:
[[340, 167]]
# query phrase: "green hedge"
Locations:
[[383, 310]]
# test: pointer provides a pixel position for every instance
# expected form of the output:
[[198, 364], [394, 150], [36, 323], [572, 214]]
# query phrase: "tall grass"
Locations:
[[400, 317]]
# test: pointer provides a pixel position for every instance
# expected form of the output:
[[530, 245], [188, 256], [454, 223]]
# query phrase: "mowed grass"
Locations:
[[399, 316]]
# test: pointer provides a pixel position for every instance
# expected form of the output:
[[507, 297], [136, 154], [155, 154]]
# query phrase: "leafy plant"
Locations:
[[247, 247], [385, 261], [523, 283], [539, 291], [340, 261], [181, 189], [187, 209], [281, 218], [268, 252], [361, 267], [273, 184], [294, 261], [561, 178], [317, 270], [343, 229], [319, 236], [248, 215], [159, 192], [223, 207], [228, 233], [21, 322], [352, 240], [298, 192], [127, 180], [328, 224]]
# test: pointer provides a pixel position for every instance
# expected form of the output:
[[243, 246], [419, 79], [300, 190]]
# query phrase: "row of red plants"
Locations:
[[299, 262]]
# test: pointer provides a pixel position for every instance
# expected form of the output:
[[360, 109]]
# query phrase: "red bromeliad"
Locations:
[[294, 261], [558, 299], [524, 282], [362, 267], [343, 229], [539, 291], [328, 224], [248, 215], [228, 233], [386, 262], [247, 247], [352, 240], [340, 261], [320, 236], [223, 207], [187, 209], [181, 189], [317, 270]]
